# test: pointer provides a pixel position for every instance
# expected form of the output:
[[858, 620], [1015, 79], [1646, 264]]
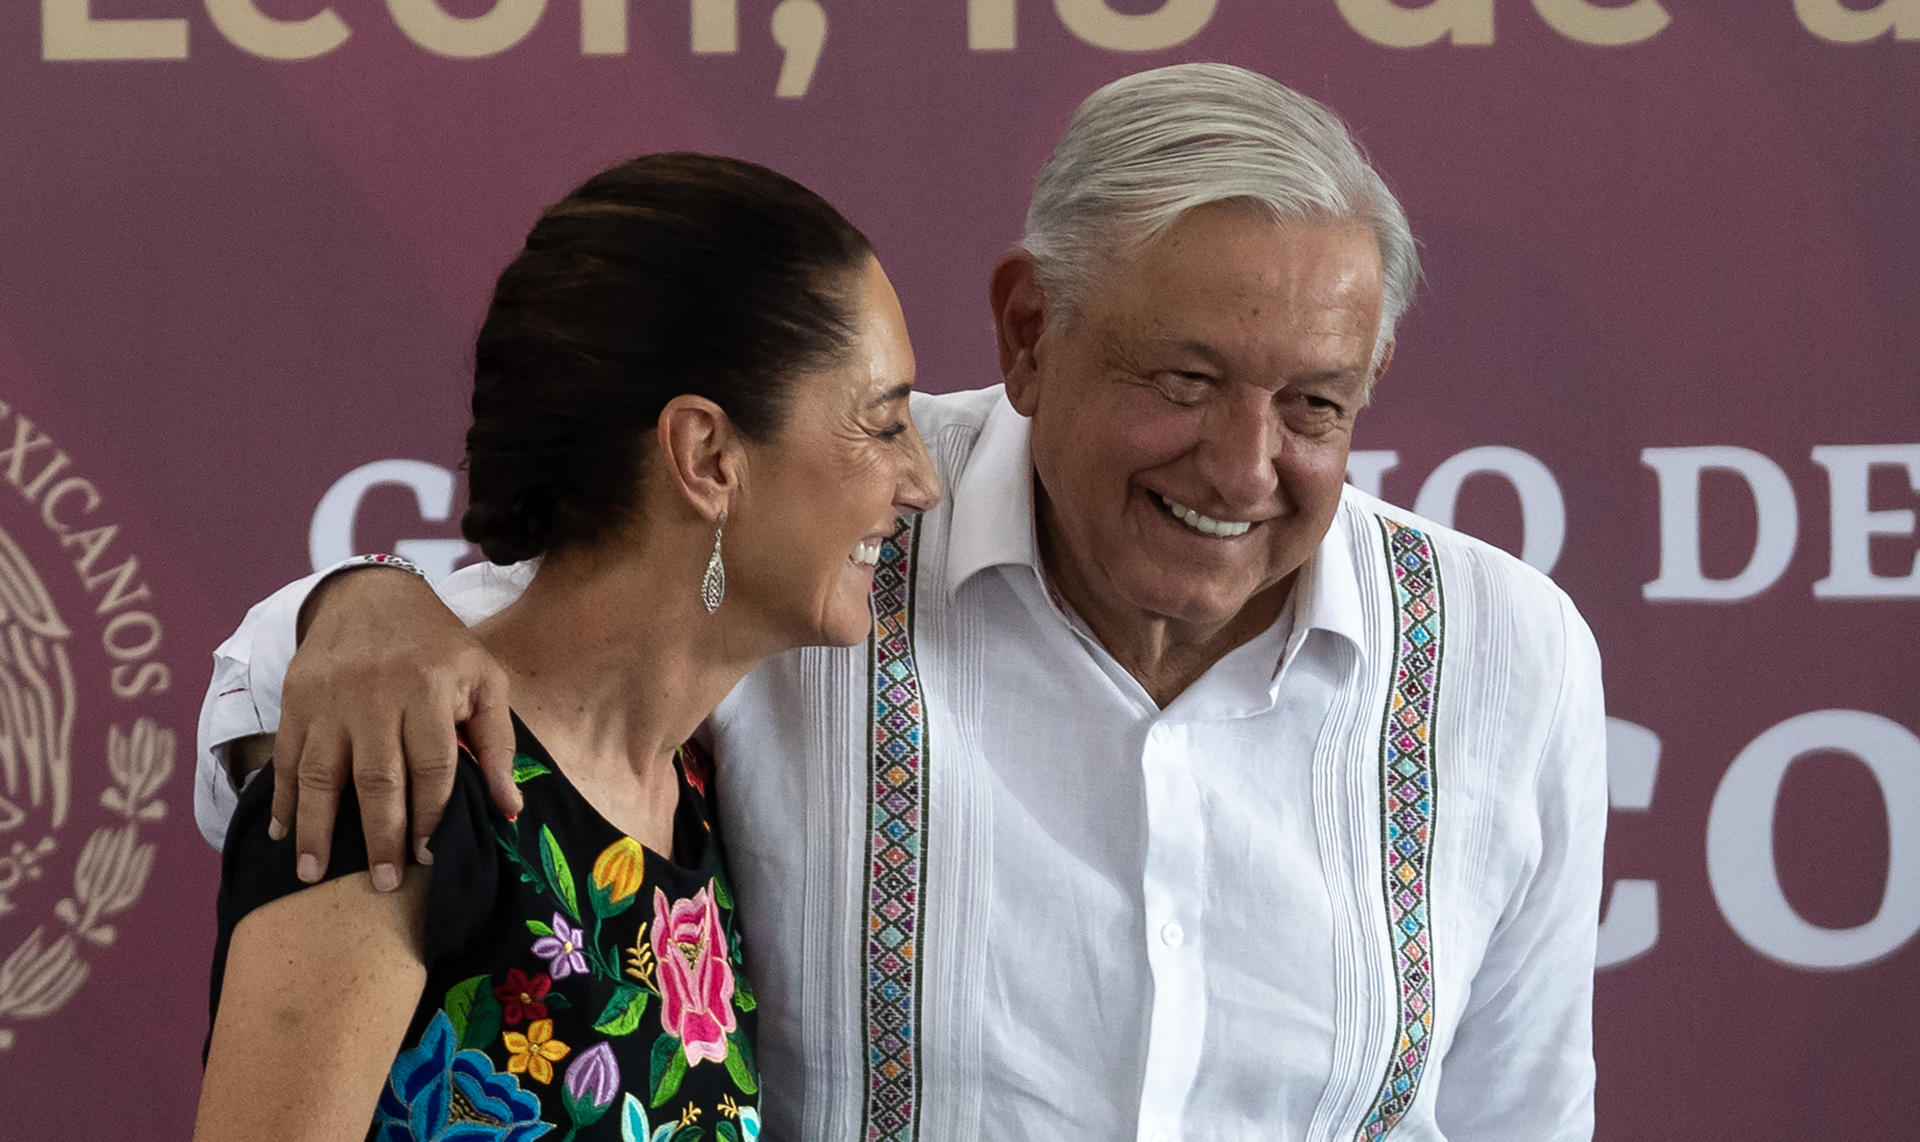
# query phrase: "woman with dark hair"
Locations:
[[690, 402]]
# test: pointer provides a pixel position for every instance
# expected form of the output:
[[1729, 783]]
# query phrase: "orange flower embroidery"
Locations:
[[534, 1053], [619, 869]]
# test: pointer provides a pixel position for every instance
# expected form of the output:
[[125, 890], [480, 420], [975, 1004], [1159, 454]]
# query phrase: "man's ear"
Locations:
[[701, 453], [1019, 318]]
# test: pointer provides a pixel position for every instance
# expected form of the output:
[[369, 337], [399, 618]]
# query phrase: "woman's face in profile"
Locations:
[[829, 488]]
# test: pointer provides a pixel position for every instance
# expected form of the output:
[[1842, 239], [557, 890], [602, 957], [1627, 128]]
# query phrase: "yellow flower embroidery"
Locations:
[[619, 869], [534, 1053]]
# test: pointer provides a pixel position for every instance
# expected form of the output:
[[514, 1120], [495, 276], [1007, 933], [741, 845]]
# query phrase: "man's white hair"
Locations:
[[1144, 150]]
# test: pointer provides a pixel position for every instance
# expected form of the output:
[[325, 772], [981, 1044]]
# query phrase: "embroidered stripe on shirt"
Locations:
[[1407, 797], [896, 857]]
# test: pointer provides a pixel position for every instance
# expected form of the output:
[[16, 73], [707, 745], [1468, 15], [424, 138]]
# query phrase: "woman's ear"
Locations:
[[1019, 318], [700, 450]]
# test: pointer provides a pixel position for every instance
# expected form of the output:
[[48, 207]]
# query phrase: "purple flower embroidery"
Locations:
[[562, 949], [592, 1082]]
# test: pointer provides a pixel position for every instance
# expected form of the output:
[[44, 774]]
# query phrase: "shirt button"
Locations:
[[1172, 935]]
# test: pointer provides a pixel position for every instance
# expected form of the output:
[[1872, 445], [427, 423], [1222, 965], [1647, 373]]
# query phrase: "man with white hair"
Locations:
[[1183, 791]]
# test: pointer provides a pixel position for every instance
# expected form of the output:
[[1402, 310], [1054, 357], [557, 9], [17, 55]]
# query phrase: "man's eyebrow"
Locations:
[[1192, 347], [899, 392], [1336, 376], [1215, 358]]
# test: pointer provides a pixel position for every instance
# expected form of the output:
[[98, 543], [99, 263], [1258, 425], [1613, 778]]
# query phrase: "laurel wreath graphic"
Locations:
[[36, 735], [41, 974]]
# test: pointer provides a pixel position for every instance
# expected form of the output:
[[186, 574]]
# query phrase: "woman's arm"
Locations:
[[320, 986]]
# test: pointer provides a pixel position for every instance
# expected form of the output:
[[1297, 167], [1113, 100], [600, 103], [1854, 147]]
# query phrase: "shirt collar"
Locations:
[[993, 501], [1327, 595], [993, 525]]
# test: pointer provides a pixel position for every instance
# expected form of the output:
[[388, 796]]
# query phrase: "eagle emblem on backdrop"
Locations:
[[43, 959]]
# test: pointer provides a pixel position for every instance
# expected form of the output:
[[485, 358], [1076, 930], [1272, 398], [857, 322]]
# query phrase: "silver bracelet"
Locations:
[[384, 560]]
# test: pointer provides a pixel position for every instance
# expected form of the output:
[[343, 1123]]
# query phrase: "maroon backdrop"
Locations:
[[1667, 347]]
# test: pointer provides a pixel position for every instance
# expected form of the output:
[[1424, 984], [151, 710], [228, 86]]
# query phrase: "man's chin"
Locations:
[[1204, 607], [1196, 610]]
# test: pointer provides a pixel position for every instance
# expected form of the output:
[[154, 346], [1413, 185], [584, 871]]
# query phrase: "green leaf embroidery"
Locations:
[[623, 1011], [740, 1064], [689, 1134], [459, 1004], [727, 1132], [539, 928], [525, 768], [483, 1022], [555, 863], [511, 849], [720, 894], [742, 991], [583, 1112], [603, 905], [669, 1067]]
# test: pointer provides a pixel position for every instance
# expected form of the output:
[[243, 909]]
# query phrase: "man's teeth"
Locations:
[[867, 553], [1206, 524]]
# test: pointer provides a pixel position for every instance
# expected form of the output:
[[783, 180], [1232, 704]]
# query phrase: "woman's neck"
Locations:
[[613, 663]]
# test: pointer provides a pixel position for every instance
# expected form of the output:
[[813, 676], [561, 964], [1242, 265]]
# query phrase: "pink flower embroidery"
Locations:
[[696, 980]]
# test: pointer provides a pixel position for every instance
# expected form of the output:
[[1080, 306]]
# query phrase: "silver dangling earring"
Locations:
[[713, 585]]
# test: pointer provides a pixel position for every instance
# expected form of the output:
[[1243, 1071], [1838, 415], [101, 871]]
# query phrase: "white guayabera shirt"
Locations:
[[1343, 887]]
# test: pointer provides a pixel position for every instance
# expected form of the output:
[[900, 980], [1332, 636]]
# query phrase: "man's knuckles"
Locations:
[[382, 781], [318, 777]]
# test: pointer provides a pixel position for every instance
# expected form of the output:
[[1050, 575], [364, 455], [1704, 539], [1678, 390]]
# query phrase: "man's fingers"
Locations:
[[490, 733], [286, 769], [319, 772], [380, 782], [379, 659], [433, 752]]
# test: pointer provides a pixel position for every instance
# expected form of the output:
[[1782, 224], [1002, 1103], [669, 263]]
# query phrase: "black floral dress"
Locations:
[[579, 985]]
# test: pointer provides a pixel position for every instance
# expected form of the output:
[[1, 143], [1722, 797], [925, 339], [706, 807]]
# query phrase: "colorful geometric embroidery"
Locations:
[[1407, 795], [896, 866]]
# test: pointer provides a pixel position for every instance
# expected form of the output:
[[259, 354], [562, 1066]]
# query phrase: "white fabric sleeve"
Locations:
[[1521, 1067], [248, 668]]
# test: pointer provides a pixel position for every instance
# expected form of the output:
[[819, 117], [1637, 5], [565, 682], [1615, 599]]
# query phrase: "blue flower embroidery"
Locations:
[[438, 1094]]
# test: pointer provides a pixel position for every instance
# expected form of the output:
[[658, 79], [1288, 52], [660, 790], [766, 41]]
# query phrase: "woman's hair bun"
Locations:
[[510, 527], [666, 274]]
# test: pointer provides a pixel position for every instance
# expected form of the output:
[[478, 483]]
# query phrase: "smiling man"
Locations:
[[1183, 791]]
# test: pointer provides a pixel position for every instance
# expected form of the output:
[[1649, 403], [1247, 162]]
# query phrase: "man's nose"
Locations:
[[1238, 453]]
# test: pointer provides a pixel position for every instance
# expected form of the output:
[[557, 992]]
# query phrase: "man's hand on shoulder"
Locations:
[[384, 675]]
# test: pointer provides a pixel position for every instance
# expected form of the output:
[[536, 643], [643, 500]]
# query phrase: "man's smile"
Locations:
[[1204, 524]]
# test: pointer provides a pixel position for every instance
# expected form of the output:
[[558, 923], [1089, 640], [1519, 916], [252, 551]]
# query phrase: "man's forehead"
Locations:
[[1220, 253]]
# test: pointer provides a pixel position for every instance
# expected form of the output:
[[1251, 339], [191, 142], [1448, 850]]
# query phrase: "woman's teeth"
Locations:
[[865, 553], [1206, 525]]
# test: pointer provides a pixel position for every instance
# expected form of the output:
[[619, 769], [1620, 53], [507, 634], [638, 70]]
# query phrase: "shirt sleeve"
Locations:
[[243, 698], [1521, 1066]]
